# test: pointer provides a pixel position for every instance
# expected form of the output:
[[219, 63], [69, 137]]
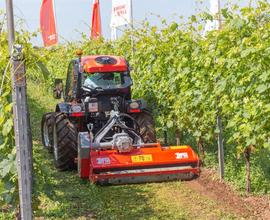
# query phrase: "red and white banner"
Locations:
[[47, 23], [214, 7], [96, 21], [121, 12]]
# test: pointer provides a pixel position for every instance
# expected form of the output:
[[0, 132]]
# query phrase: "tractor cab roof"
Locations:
[[104, 63]]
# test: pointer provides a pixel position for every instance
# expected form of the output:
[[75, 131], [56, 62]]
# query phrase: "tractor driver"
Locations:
[[103, 80]]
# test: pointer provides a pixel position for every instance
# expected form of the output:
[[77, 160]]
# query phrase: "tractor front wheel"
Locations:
[[64, 143]]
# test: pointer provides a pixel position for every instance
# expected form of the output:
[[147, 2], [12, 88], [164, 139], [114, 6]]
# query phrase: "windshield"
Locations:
[[108, 80]]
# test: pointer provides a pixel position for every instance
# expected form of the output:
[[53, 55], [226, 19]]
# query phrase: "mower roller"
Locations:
[[110, 136]]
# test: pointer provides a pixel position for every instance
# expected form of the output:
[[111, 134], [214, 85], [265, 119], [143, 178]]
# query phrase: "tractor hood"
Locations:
[[104, 63]]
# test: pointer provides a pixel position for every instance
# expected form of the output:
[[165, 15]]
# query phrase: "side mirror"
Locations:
[[58, 88]]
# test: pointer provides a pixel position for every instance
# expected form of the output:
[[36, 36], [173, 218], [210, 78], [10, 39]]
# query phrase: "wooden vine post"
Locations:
[[22, 131]]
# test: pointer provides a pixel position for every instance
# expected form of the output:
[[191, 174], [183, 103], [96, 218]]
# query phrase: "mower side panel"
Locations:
[[83, 155]]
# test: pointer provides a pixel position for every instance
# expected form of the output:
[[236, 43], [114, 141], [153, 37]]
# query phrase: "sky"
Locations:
[[74, 16]]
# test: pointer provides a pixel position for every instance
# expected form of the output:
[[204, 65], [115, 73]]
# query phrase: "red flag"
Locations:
[[96, 21], [47, 23]]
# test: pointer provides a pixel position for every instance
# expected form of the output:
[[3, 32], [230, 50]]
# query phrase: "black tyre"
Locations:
[[64, 143], [47, 131], [147, 126]]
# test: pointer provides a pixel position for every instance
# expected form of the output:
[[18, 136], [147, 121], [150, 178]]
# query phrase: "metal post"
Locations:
[[219, 123], [10, 24], [23, 137], [220, 148]]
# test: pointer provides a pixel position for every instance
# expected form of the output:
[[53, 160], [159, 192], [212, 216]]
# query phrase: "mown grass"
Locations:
[[63, 195]]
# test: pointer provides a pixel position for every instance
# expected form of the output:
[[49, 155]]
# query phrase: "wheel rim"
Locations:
[[46, 134], [55, 150]]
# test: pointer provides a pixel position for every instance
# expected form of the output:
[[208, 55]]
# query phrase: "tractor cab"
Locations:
[[102, 81], [105, 73], [98, 75]]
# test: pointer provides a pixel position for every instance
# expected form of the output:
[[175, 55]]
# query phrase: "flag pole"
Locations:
[[55, 19], [132, 28], [131, 14], [219, 16]]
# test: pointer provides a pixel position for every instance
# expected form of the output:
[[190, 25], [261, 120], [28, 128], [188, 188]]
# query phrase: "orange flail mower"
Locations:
[[151, 163]]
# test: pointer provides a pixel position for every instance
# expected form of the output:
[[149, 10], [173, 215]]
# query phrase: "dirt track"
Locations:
[[248, 207]]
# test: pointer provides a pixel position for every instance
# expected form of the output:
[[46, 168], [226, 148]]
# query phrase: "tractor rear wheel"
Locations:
[[147, 126], [47, 131], [64, 143]]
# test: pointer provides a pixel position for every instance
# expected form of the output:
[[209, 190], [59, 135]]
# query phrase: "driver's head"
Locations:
[[107, 76]]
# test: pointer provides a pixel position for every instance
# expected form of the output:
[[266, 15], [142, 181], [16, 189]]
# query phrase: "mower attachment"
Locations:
[[149, 163]]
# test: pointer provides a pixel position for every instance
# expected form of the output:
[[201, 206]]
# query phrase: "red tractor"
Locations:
[[110, 136]]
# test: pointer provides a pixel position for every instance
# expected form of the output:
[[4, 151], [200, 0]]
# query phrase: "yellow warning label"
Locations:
[[141, 158], [178, 147]]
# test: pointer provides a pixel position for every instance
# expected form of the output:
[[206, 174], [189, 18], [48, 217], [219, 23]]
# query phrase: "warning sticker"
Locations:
[[141, 158]]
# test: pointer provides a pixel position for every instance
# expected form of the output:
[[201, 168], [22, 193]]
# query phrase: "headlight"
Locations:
[[134, 105], [76, 108], [93, 107]]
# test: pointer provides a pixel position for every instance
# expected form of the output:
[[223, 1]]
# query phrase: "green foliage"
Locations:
[[8, 174], [7, 153]]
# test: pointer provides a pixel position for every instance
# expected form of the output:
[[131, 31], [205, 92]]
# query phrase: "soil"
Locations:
[[246, 206]]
